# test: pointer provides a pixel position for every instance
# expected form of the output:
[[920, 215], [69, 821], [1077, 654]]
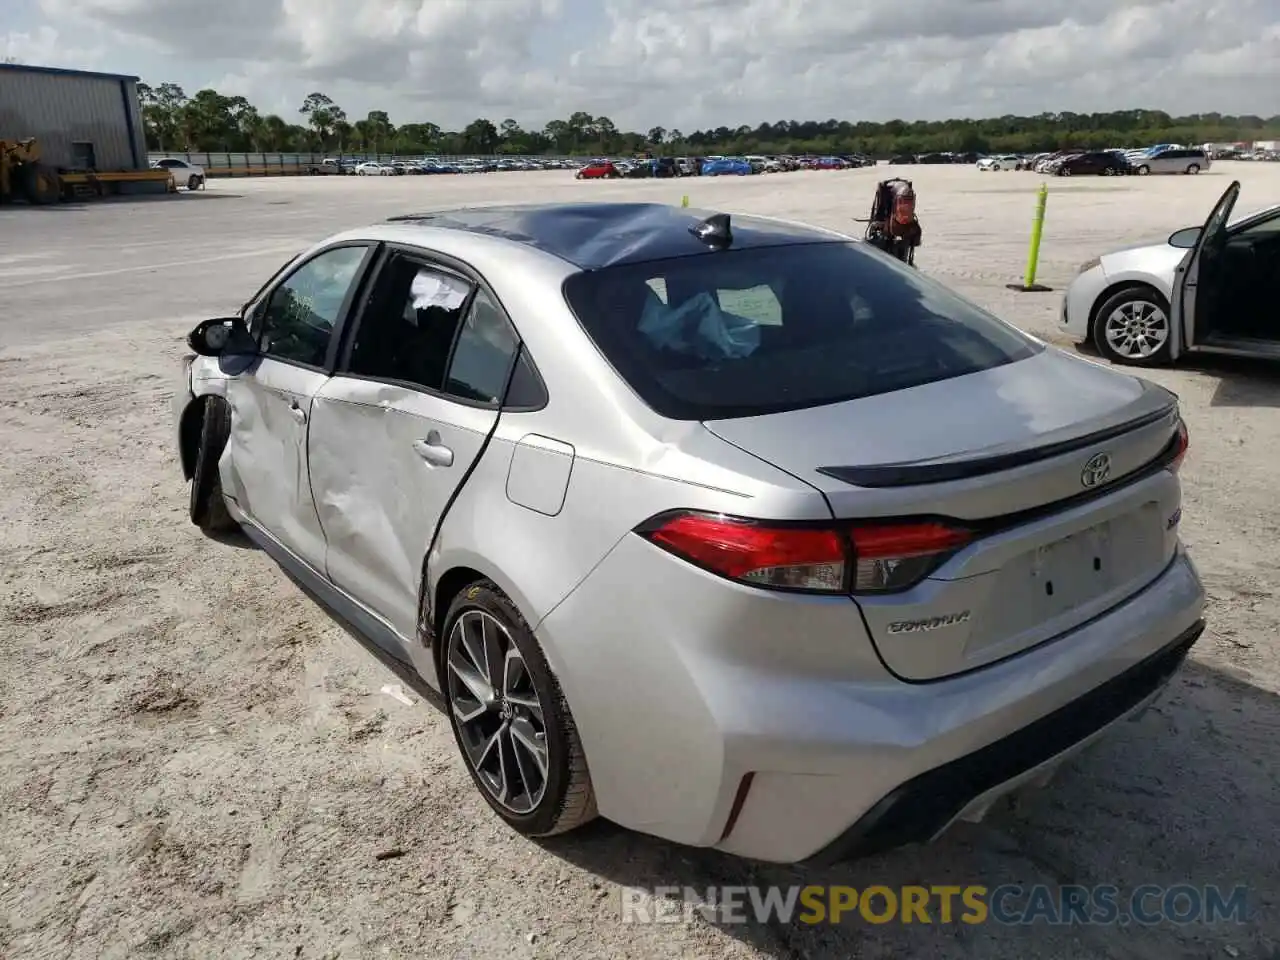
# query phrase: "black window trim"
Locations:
[[451, 266], [263, 299]]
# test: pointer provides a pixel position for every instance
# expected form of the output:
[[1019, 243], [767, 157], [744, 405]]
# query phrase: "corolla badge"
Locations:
[[929, 623], [1097, 470]]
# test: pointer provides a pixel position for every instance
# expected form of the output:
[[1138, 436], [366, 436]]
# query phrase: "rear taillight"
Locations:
[[835, 558], [894, 556], [1182, 441], [782, 556]]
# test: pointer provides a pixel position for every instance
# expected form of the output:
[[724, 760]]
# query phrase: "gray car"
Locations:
[[734, 531]]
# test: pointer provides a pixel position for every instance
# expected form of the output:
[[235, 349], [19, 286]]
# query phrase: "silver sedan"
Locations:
[[734, 531]]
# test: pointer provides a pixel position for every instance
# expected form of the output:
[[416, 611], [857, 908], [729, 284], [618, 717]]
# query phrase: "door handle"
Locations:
[[433, 451], [297, 413]]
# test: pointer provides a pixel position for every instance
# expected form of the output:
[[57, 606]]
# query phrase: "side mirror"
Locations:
[[221, 336], [1185, 238]]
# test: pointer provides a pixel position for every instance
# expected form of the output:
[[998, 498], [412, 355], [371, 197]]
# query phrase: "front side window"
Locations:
[[742, 333], [299, 318], [409, 326]]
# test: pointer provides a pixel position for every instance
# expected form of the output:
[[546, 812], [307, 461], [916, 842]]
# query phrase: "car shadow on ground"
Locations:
[[1241, 382], [1181, 795], [206, 195], [232, 538], [404, 672], [1184, 794]]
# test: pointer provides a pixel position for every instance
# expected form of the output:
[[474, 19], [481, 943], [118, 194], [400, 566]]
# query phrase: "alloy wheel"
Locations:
[[1137, 329], [500, 718]]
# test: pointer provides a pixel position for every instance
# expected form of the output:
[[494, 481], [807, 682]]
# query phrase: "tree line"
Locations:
[[211, 121]]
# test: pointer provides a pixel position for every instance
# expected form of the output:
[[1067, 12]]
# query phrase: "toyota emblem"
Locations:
[[1096, 471]]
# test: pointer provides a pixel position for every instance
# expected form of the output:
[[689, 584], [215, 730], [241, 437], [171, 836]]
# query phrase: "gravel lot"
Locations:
[[196, 761]]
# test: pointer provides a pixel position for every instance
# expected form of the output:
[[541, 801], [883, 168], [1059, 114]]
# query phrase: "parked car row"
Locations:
[[936, 158], [1272, 155], [715, 166], [1114, 162], [433, 165]]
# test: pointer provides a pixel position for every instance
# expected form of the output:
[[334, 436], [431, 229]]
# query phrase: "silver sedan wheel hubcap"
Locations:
[[1137, 329], [500, 718]]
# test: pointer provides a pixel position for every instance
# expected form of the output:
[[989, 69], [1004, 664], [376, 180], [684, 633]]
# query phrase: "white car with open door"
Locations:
[[1210, 289]]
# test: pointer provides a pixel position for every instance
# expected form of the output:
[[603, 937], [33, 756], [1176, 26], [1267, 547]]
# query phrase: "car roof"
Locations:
[[591, 236]]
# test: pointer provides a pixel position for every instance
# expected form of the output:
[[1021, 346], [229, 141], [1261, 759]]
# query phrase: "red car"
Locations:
[[598, 170]]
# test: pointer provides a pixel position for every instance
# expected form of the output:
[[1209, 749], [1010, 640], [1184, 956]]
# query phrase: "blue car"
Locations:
[[726, 166]]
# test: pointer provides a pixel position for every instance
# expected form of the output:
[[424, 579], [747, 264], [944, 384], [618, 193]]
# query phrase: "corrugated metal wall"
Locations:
[[60, 109]]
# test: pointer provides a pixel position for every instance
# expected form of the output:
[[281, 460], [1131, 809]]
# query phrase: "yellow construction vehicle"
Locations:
[[23, 177]]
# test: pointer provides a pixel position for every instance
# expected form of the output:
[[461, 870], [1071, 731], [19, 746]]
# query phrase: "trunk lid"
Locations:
[[1004, 451]]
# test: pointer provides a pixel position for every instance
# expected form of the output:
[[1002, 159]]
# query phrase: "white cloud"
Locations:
[[697, 63], [45, 47]]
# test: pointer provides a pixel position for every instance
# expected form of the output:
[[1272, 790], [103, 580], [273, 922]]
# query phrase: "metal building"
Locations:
[[83, 120]]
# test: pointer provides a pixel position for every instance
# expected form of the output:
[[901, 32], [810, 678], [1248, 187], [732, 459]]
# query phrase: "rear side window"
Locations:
[[744, 333], [484, 353]]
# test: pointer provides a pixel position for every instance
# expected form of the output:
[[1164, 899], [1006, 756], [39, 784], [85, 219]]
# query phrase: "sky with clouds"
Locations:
[[683, 64]]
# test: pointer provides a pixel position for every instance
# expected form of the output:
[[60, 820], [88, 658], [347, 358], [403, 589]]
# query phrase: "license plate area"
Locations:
[[1052, 587], [1071, 571]]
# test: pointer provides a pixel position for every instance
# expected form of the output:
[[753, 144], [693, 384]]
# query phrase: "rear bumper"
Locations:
[[924, 806], [683, 686]]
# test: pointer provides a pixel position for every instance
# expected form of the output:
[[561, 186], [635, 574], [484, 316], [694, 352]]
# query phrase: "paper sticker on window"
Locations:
[[438, 290]]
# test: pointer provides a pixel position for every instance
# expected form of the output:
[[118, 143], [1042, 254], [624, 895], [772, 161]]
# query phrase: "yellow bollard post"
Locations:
[[684, 201], [1028, 284]]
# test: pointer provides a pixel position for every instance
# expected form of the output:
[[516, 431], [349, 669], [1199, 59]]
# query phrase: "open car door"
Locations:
[[1196, 271]]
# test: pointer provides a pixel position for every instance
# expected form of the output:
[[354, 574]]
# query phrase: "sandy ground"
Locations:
[[195, 761]]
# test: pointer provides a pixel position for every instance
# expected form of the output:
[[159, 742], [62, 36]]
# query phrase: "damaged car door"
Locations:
[[396, 430], [293, 324]]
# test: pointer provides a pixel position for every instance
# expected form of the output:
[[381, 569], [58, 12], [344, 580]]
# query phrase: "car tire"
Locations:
[[208, 510], [482, 617], [1193, 169], [1132, 299], [193, 182], [1143, 170]]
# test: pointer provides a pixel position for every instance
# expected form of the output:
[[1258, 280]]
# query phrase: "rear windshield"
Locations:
[[749, 332]]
